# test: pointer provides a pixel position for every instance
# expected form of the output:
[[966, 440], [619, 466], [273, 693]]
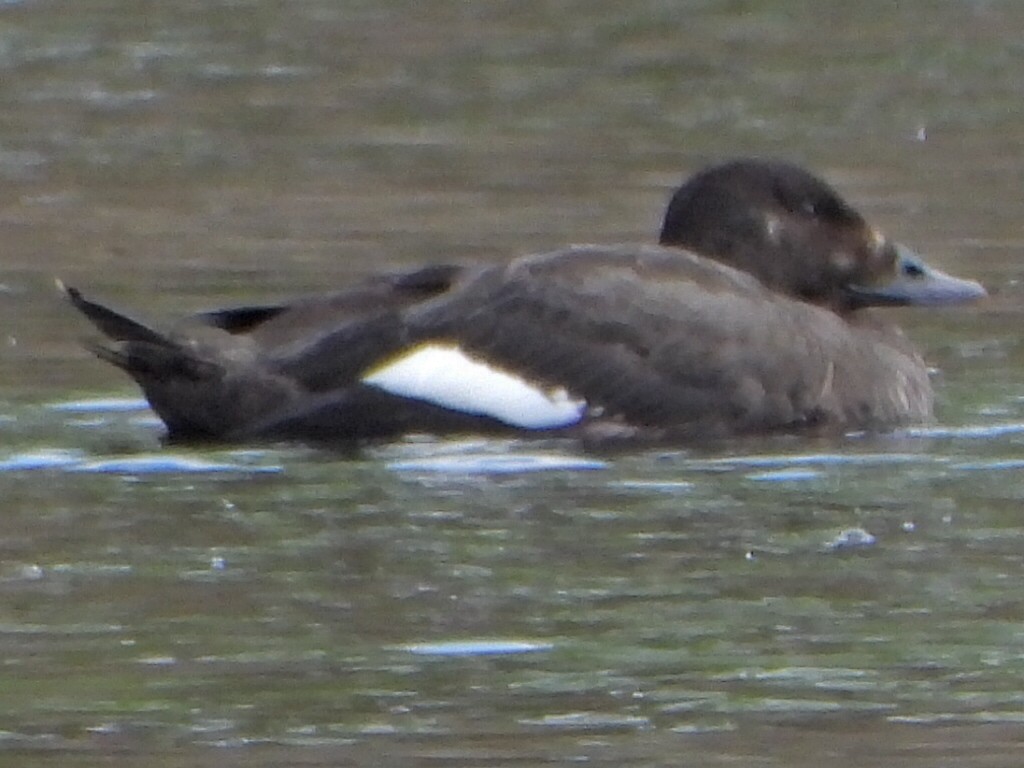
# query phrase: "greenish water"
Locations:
[[768, 602]]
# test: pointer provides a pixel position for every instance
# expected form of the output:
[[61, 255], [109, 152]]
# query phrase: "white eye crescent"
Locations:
[[773, 227]]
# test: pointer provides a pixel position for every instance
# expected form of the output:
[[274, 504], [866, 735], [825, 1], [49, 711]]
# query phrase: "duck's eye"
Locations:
[[910, 269], [824, 208]]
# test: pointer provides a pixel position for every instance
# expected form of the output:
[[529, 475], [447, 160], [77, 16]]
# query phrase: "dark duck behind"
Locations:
[[752, 316]]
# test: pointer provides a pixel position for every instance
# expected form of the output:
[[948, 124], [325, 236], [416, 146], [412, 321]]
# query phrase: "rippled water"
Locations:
[[479, 602]]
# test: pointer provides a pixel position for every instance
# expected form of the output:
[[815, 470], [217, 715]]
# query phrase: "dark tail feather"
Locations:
[[131, 346], [147, 362], [113, 325], [241, 319]]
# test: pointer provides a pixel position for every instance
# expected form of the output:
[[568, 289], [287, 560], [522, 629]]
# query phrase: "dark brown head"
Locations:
[[799, 237]]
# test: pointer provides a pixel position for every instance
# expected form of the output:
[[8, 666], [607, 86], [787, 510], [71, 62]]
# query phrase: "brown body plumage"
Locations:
[[751, 317]]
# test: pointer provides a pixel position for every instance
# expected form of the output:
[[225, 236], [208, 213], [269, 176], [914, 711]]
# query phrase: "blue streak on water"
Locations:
[[666, 486], [458, 648], [507, 464], [785, 476], [101, 405], [805, 459], [981, 431], [148, 465], [74, 461], [852, 538], [995, 465], [44, 459]]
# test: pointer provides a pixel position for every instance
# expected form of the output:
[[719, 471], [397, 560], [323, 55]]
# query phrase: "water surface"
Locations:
[[768, 602]]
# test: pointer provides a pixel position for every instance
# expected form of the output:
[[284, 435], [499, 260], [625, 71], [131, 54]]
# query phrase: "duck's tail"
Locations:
[[140, 351], [199, 390], [113, 325]]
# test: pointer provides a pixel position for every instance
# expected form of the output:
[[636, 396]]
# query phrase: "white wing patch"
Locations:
[[446, 376]]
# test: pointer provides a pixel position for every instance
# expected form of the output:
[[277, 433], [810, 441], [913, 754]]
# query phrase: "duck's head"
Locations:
[[799, 237]]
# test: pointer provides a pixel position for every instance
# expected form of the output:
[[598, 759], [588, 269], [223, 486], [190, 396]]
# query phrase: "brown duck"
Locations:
[[753, 316]]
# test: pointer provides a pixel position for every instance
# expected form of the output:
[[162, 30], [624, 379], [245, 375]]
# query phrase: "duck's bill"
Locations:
[[918, 284]]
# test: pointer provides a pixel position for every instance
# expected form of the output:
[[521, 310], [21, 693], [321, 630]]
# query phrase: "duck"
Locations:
[[759, 311]]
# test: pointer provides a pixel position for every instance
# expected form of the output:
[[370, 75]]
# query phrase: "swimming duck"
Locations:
[[752, 316]]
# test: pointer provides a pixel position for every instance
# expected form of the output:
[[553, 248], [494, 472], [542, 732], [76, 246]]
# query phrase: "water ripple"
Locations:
[[970, 432], [42, 459], [506, 464], [75, 461], [100, 405], [805, 459], [477, 647], [785, 475], [157, 464], [851, 538]]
